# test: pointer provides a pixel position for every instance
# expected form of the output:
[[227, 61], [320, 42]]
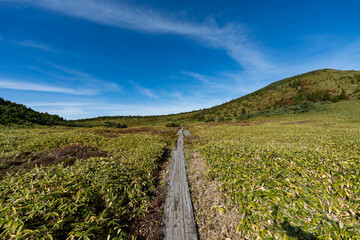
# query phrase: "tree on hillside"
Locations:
[[13, 113]]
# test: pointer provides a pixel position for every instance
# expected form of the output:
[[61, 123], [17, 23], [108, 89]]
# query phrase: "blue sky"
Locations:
[[89, 58]]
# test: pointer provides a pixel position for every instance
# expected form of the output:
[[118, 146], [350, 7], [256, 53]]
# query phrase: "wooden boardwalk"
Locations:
[[179, 222]]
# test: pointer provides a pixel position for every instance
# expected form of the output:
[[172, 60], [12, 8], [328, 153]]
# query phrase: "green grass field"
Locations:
[[288, 168], [60, 183], [292, 176], [289, 176]]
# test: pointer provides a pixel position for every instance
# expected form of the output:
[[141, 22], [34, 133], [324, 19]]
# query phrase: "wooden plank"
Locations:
[[187, 133], [179, 221]]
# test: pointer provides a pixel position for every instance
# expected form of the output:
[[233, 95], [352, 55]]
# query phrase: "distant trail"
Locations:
[[179, 220]]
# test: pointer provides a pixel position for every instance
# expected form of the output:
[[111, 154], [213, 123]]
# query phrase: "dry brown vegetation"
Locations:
[[215, 218], [26, 161]]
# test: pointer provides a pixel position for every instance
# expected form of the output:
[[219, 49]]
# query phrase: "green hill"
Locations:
[[301, 93], [13, 113], [297, 94]]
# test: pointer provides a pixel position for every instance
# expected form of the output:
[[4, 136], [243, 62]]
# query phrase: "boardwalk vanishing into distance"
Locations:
[[179, 222]]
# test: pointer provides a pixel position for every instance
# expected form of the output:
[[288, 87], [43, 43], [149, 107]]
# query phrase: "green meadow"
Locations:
[[286, 169], [292, 176]]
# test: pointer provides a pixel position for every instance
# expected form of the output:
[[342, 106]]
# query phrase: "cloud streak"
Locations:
[[233, 38], [224, 82], [145, 91], [38, 87], [85, 79], [33, 44], [25, 86]]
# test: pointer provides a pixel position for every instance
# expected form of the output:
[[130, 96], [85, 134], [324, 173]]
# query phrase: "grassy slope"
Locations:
[[284, 92], [277, 94], [294, 176]]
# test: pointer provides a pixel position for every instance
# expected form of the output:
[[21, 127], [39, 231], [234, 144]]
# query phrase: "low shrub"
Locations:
[[172, 124], [115, 125], [301, 108], [121, 125], [210, 119]]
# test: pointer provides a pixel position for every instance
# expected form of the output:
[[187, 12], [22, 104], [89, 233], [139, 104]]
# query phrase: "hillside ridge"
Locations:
[[300, 93], [324, 85]]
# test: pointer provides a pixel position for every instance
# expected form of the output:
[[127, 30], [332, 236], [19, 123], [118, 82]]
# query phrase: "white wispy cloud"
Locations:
[[198, 76], [26, 86], [234, 38], [59, 79], [33, 44], [73, 77], [223, 82], [146, 91], [57, 104], [85, 78], [76, 74]]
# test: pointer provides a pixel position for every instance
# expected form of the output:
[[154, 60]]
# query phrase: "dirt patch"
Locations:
[[26, 161], [107, 133], [299, 122], [150, 226], [191, 138], [214, 215]]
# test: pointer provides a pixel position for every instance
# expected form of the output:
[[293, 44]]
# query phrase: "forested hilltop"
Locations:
[[14, 113]]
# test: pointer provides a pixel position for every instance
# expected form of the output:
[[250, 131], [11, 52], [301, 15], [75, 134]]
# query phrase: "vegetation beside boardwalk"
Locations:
[[93, 197], [287, 157], [290, 176]]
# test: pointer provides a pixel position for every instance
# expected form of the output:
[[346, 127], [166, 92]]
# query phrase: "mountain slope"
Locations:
[[13, 113], [299, 93], [301, 90]]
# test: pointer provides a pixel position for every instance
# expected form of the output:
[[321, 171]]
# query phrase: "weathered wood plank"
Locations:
[[179, 221], [187, 133]]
